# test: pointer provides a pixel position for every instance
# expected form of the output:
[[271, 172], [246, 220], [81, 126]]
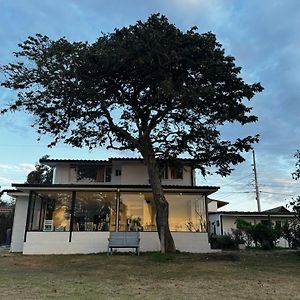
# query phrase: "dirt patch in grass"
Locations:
[[227, 275]]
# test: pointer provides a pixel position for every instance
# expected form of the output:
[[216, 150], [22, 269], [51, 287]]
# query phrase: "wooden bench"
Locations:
[[124, 240]]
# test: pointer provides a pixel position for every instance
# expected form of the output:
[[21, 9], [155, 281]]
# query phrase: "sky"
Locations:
[[263, 36]]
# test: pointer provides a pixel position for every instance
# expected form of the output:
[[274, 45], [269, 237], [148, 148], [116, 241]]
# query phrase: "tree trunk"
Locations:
[[161, 204]]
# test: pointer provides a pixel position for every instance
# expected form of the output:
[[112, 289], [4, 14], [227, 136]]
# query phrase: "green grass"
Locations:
[[227, 275]]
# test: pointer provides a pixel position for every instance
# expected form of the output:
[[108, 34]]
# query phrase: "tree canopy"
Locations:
[[42, 173], [148, 87], [296, 173], [149, 81]]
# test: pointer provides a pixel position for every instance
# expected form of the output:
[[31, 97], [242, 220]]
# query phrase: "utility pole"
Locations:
[[256, 182]]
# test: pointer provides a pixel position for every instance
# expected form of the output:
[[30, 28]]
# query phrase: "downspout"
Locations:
[[192, 177], [221, 224]]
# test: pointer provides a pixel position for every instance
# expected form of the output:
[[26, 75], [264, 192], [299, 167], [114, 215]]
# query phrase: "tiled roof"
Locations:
[[220, 203], [252, 213], [74, 160], [276, 210], [46, 161]]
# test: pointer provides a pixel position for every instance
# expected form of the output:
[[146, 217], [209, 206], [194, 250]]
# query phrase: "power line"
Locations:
[[280, 186], [232, 193], [277, 193]]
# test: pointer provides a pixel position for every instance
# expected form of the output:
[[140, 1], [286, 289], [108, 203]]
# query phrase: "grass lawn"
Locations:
[[227, 275]]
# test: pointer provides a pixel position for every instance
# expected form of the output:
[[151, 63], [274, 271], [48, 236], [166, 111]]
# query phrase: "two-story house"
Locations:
[[89, 198]]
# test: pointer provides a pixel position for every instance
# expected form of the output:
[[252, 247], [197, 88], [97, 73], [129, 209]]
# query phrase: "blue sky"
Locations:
[[263, 36]]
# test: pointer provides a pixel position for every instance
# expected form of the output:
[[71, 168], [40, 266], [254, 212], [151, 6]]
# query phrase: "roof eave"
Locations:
[[26, 187]]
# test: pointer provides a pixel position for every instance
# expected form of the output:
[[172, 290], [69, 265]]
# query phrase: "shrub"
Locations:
[[238, 236], [260, 234], [224, 242]]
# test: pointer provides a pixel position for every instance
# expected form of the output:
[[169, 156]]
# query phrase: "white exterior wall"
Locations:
[[133, 172], [136, 173], [116, 179], [62, 174], [191, 242], [228, 223], [212, 206], [58, 242], [18, 230], [213, 218], [96, 242]]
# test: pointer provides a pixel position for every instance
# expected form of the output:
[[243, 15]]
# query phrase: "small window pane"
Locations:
[[88, 173], [108, 174], [163, 171], [177, 173], [93, 173]]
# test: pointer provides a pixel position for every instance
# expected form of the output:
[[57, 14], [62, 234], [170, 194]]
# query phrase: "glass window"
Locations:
[[36, 213], [176, 173], [265, 222], [95, 211], [137, 212], [163, 171], [187, 212], [50, 211], [93, 173], [86, 173], [108, 170]]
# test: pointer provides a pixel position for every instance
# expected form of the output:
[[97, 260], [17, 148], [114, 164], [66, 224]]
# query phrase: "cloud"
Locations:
[[13, 173], [22, 167], [4, 181]]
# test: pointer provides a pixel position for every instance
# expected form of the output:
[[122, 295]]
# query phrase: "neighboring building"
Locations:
[[214, 205], [223, 222], [90, 198]]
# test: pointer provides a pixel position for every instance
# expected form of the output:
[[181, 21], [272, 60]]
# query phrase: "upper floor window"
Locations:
[[176, 173], [94, 173], [163, 170]]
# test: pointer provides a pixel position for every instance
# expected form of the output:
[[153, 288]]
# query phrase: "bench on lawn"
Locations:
[[124, 240]]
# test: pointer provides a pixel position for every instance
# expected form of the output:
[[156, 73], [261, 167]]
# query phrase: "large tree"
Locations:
[[42, 173], [296, 173], [149, 87], [292, 230]]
